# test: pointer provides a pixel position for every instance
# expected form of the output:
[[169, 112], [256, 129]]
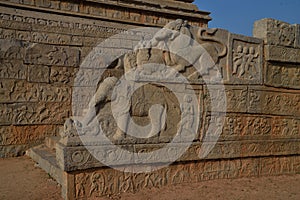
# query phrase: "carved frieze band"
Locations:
[[257, 100], [254, 127], [78, 158], [103, 182], [16, 135], [34, 113], [109, 10]]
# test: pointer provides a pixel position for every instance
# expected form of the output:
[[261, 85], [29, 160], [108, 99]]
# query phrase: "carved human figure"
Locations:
[[238, 130], [254, 99], [277, 128], [237, 59], [285, 79], [95, 186], [285, 127], [295, 130], [19, 90], [242, 99], [230, 126], [251, 63], [268, 101], [249, 126], [187, 114], [231, 99], [257, 126], [265, 127], [296, 78], [81, 181], [244, 61], [275, 75], [277, 103]]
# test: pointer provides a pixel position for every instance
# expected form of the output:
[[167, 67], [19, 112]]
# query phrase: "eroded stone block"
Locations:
[[34, 113], [283, 75], [282, 54], [38, 74], [52, 55], [17, 135], [12, 49], [275, 32]]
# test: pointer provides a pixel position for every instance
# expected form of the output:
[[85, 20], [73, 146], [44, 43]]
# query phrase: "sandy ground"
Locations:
[[20, 179]]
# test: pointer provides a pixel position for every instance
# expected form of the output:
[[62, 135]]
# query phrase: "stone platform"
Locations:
[[134, 108], [258, 131]]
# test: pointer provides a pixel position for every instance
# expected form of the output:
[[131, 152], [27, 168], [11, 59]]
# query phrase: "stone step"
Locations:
[[46, 159], [51, 142]]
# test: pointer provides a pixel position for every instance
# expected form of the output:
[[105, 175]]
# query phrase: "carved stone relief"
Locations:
[[275, 32], [245, 60], [33, 113], [14, 135], [287, 76], [237, 98], [249, 127], [107, 181], [52, 55], [274, 102]]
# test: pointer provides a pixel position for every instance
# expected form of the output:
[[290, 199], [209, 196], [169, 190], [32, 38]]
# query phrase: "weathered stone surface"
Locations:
[[14, 150], [275, 102], [297, 42], [241, 127], [14, 91], [282, 75], [62, 75], [100, 182], [12, 49], [12, 69], [275, 32], [282, 54], [34, 113], [38, 74], [52, 55], [237, 98], [17, 135]]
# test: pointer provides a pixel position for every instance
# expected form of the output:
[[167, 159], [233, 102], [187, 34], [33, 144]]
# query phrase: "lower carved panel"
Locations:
[[102, 182]]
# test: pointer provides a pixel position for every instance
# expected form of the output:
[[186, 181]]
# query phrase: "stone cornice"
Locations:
[[137, 12]]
